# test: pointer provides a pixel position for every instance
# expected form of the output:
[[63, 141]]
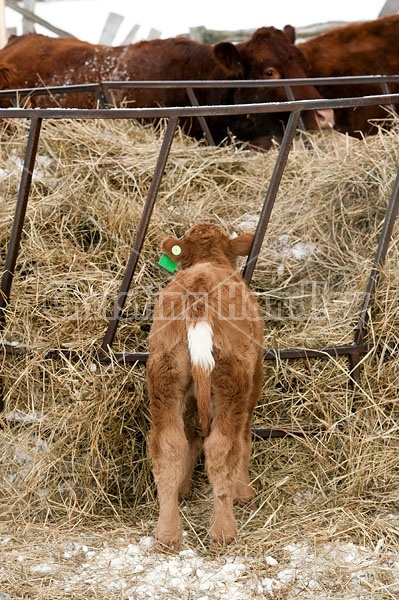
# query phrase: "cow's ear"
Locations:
[[241, 245], [8, 77], [290, 33], [229, 58], [173, 248]]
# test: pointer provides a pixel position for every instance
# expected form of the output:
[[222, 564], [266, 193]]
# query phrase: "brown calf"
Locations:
[[204, 378]]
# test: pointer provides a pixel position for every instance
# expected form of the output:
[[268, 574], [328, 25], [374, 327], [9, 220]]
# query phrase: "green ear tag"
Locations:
[[167, 263]]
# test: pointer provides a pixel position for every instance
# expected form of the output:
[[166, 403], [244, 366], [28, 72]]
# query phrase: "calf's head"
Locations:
[[207, 243]]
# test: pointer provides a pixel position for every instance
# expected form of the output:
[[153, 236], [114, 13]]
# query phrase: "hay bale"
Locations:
[[73, 433]]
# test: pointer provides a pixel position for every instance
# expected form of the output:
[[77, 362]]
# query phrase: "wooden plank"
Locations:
[[3, 32], [154, 34], [131, 35], [390, 8], [213, 36], [111, 27], [27, 24], [35, 19]]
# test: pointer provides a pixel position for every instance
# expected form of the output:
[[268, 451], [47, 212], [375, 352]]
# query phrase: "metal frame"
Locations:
[[353, 351], [102, 90]]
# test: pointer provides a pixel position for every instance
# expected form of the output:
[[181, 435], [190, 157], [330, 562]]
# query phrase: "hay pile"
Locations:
[[73, 434]]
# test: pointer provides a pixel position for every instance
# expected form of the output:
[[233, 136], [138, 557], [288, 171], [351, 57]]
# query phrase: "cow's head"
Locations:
[[206, 242], [270, 54]]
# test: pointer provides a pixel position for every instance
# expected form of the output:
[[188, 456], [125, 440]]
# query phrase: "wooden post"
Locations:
[[131, 35], [111, 27], [153, 34], [27, 24], [3, 32], [390, 8]]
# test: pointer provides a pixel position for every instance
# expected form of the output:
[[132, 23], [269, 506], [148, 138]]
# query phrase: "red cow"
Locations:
[[368, 48], [8, 80], [268, 54]]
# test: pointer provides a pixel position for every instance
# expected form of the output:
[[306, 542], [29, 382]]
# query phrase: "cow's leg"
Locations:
[[222, 447], [192, 429], [168, 446], [243, 491]]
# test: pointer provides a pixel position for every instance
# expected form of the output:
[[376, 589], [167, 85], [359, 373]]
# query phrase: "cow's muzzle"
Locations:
[[324, 118]]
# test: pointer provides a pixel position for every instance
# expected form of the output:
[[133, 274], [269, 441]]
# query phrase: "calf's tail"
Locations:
[[200, 345]]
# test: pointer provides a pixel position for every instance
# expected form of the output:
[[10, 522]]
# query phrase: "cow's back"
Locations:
[[165, 59], [367, 48], [46, 61], [357, 49]]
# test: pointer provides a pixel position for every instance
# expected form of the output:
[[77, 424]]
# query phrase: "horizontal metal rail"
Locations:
[[196, 111], [200, 84]]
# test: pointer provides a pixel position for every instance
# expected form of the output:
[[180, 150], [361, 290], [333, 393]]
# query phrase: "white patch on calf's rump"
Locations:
[[200, 344]]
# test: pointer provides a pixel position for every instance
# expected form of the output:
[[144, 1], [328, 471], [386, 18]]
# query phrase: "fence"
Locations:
[[354, 351]]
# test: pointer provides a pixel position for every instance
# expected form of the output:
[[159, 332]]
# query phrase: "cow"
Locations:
[[366, 48], [204, 378], [9, 79], [269, 54]]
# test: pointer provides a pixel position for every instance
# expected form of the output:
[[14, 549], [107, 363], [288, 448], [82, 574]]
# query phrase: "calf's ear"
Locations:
[[227, 55], [173, 248], [241, 245]]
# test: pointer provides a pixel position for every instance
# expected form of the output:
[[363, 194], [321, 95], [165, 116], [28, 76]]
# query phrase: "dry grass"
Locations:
[[73, 434]]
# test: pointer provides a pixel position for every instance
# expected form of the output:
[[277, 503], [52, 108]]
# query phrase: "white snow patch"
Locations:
[[285, 249]]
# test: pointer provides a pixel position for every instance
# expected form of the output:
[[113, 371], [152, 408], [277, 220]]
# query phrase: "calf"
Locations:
[[204, 378]]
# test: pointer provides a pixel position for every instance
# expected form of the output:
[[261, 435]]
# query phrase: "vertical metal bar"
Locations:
[[386, 90], [271, 195], [19, 216], [202, 120], [107, 97], [291, 97], [379, 260], [102, 95], [141, 232]]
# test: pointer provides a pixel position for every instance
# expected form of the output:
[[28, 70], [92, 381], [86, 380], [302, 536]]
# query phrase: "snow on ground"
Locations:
[[137, 571]]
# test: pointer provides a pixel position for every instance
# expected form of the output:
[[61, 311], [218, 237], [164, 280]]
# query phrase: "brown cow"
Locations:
[[368, 48], [9, 79], [268, 54], [204, 378]]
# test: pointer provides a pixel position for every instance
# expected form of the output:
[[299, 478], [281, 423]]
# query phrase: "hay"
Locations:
[[73, 434]]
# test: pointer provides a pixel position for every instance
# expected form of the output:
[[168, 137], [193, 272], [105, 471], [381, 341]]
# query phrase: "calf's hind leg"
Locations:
[[168, 445], [223, 446], [192, 429]]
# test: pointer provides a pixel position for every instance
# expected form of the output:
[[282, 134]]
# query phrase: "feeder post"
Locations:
[[3, 31]]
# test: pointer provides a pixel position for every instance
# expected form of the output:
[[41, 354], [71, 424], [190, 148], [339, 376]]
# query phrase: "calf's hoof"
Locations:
[[223, 535], [167, 539], [244, 494], [185, 491]]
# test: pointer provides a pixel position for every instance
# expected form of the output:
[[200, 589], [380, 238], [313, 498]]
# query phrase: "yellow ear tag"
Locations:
[[176, 250]]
